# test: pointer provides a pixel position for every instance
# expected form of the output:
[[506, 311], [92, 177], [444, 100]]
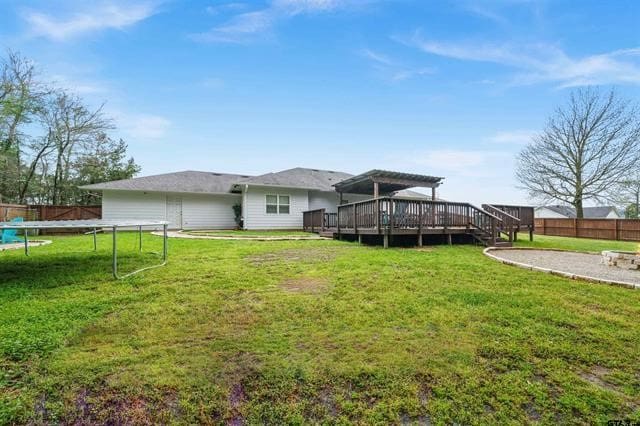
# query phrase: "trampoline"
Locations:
[[95, 225]]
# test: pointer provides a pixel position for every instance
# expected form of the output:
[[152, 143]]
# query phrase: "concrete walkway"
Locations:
[[20, 246], [180, 234], [569, 264]]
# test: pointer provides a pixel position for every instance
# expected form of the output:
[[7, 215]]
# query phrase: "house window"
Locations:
[[278, 204], [283, 204]]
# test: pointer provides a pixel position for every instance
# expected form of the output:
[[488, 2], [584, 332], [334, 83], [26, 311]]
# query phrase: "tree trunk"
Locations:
[[579, 208]]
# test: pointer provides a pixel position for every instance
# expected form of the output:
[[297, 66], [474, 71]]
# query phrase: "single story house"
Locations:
[[567, 212], [205, 200]]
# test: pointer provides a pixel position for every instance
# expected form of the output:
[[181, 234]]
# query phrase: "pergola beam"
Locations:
[[382, 182]]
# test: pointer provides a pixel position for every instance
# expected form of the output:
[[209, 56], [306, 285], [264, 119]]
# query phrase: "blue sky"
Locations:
[[448, 88]]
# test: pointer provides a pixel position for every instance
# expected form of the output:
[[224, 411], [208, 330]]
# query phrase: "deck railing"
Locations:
[[318, 220], [385, 213], [509, 223], [523, 213]]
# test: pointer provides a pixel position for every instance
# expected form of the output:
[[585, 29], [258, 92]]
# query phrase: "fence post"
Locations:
[[617, 230], [575, 228]]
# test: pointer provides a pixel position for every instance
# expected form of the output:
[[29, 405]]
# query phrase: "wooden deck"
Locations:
[[390, 216]]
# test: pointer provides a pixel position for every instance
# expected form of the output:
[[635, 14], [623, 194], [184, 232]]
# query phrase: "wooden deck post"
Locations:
[[355, 218], [433, 193], [389, 230], [385, 240], [359, 238], [376, 194], [446, 216], [420, 206]]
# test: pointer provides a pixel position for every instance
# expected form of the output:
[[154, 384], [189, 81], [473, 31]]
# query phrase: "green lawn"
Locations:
[[310, 331], [577, 244]]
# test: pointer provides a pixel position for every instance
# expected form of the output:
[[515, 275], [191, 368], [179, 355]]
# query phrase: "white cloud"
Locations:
[[377, 57], [251, 26], [227, 7], [106, 15], [535, 63], [240, 29], [144, 127], [391, 69], [78, 85], [514, 137]]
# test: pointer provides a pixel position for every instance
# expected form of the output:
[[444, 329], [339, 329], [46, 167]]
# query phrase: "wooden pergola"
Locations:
[[383, 182]]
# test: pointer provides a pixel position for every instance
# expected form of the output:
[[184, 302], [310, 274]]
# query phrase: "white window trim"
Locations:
[[277, 204]]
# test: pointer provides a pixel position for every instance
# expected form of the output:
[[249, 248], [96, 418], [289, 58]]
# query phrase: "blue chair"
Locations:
[[9, 235]]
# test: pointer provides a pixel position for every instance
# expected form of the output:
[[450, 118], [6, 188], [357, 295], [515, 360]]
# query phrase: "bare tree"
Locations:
[[587, 148], [627, 195]]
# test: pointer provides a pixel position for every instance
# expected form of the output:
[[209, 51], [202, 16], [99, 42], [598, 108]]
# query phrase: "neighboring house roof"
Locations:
[[187, 181], [589, 212], [300, 177]]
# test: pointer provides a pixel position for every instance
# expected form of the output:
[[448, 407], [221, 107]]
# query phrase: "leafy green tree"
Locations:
[[106, 161], [51, 141]]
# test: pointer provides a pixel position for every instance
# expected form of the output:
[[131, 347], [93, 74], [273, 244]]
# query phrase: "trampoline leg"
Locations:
[[26, 242], [115, 254], [140, 237], [95, 240], [164, 247]]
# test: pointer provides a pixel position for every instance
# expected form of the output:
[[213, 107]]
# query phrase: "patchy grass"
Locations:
[[577, 244], [250, 234], [309, 331]]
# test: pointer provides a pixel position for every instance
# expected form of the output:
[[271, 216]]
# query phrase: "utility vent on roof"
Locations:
[[315, 170], [243, 176], [216, 174]]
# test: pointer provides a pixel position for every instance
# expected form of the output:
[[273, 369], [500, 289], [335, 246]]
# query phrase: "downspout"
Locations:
[[244, 206]]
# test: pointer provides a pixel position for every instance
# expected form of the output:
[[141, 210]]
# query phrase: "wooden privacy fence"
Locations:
[[601, 229], [11, 211], [45, 212]]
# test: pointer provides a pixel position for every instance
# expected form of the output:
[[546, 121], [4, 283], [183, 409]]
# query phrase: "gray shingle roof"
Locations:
[[589, 212], [187, 181], [299, 177], [222, 183]]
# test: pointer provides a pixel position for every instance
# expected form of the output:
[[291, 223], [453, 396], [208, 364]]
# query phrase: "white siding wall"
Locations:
[[613, 215], [119, 205], [208, 211], [543, 212], [329, 200], [198, 211], [255, 208]]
